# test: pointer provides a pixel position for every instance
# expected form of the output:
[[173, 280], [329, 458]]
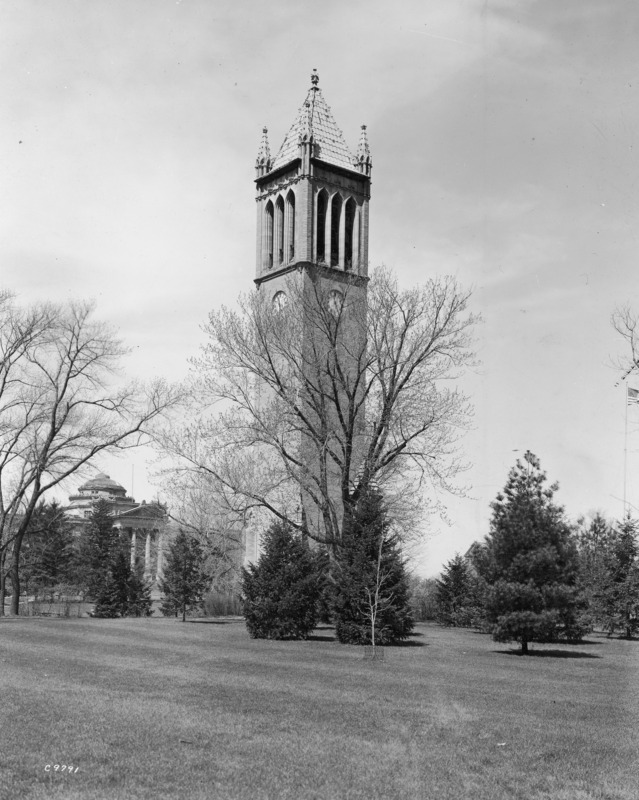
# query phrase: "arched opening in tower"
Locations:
[[350, 256], [290, 227], [268, 244], [336, 213], [321, 225], [279, 230]]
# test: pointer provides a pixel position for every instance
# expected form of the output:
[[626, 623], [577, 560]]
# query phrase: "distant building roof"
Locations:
[[102, 483], [315, 119]]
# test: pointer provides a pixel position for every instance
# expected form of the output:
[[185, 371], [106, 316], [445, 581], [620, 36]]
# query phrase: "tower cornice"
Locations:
[[339, 275]]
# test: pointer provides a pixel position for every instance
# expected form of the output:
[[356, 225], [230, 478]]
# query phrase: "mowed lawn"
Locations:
[[160, 709]]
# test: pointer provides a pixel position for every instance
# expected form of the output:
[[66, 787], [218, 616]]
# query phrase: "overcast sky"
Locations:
[[505, 152]]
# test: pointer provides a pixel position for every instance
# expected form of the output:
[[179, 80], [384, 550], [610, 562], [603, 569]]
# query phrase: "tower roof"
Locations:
[[315, 120]]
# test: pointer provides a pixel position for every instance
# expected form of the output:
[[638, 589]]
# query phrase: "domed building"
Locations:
[[145, 524], [102, 487]]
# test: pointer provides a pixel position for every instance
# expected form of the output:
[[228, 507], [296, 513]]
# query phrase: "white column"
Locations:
[[147, 556], [133, 547], [160, 556]]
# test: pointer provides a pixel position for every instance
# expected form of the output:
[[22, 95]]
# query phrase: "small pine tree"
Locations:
[[113, 597], [140, 602], [124, 592], [620, 592], [456, 603], [281, 591], [371, 600], [595, 542], [530, 563], [185, 579], [98, 546]]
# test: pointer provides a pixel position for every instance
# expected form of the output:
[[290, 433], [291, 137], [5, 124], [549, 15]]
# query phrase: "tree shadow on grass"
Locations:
[[321, 636], [215, 621], [410, 643], [586, 642], [546, 654]]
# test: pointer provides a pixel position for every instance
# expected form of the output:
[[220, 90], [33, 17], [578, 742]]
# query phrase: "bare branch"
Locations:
[[60, 406], [296, 410]]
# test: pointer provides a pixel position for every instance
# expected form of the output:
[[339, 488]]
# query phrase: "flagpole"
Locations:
[[625, 456]]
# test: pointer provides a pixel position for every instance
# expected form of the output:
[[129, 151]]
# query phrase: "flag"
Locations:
[[633, 395]]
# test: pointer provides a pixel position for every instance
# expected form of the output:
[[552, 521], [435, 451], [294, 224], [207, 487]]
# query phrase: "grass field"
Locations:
[[159, 709]]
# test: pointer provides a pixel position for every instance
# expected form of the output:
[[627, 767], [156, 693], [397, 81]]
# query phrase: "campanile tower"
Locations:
[[312, 247]]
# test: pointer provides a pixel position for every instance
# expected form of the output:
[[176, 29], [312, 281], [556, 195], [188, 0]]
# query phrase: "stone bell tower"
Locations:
[[312, 236], [312, 202]]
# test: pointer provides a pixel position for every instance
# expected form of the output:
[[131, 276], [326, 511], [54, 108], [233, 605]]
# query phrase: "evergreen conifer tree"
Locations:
[[595, 542], [456, 603], [139, 602], [48, 556], [281, 592], [371, 601], [620, 592], [185, 578], [112, 599], [124, 592], [99, 544], [530, 562]]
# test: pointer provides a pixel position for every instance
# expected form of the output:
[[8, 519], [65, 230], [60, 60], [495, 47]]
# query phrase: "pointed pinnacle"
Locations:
[[363, 149], [264, 153]]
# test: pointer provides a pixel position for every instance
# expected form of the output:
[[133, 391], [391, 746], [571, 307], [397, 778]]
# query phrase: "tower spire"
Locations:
[[264, 161]]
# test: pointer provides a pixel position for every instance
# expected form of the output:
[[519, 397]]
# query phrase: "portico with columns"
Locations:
[[145, 527]]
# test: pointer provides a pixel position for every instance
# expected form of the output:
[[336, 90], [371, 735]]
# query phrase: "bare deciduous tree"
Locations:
[[59, 408], [626, 322], [297, 407], [216, 520]]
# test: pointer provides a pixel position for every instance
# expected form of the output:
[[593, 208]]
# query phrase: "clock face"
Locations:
[[335, 302], [280, 301]]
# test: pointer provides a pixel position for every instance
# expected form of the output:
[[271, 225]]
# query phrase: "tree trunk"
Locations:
[[524, 646], [183, 612], [3, 587], [15, 574]]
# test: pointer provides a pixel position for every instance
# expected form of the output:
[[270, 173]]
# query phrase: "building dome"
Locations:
[[102, 483]]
